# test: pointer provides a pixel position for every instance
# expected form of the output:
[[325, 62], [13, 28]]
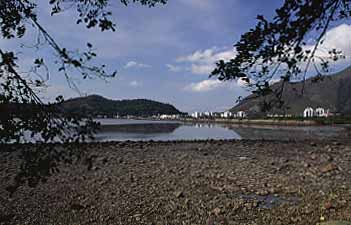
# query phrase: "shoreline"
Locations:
[[278, 122], [259, 122]]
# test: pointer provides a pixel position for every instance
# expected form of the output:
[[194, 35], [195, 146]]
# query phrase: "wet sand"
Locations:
[[205, 182]]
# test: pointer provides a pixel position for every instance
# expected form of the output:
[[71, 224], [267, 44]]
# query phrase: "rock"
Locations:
[[104, 160], [77, 207], [329, 158], [328, 205], [179, 194], [342, 202], [322, 219], [210, 221], [306, 165], [313, 156], [216, 211], [335, 223], [6, 219], [262, 193], [272, 191], [328, 168], [95, 168]]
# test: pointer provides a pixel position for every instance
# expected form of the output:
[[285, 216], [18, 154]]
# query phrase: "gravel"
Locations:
[[196, 182]]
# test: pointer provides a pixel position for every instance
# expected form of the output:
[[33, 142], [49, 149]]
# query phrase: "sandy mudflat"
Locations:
[[208, 182]]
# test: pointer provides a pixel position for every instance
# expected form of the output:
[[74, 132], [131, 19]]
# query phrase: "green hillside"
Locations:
[[97, 105]]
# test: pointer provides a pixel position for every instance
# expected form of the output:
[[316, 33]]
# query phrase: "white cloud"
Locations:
[[175, 68], [274, 80], [135, 84], [202, 69], [198, 56], [337, 38], [204, 61], [204, 86], [212, 84], [50, 93], [241, 83], [198, 4], [210, 55], [133, 64]]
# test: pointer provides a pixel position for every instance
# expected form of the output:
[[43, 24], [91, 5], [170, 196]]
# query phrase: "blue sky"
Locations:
[[163, 53]]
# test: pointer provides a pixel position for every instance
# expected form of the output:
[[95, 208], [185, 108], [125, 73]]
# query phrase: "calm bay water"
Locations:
[[143, 130]]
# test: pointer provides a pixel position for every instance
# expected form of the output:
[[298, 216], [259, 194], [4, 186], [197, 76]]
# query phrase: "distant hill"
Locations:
[[331, 92], [97, 105]]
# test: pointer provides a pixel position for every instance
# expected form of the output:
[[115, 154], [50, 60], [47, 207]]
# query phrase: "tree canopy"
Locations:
[[279, 48]]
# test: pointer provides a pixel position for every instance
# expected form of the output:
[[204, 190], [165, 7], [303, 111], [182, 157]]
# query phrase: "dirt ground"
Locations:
[[203, 182]]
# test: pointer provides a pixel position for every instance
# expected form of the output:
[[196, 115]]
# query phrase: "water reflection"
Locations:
[[164, 132], [287, 132], [134, 130]]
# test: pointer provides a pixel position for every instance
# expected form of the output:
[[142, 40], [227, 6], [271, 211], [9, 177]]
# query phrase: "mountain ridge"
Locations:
[[331, 92]]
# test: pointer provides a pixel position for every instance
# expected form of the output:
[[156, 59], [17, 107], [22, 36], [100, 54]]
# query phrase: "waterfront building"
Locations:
[[308, 112], [208, 114], [241, 114], [320, 112], [226, 114], [196, 115]]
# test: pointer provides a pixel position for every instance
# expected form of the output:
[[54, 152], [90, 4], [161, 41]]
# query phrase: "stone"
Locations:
[[328, 205], [77, 207], [313, 156], [328, 168], [179, 194], [95, 168], [335, 223], [216, 211]]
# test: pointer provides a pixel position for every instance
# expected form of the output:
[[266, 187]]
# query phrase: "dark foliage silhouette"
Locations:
[[279, 49]]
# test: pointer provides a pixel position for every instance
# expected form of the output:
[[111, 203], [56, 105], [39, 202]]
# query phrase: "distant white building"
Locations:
[[208, 114], [241, 114], [320, 112], [308, 112], [173, 117], [226, 114], [196, 115]]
